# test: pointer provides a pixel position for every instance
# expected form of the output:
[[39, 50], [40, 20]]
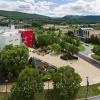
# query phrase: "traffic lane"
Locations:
[[91, 61]]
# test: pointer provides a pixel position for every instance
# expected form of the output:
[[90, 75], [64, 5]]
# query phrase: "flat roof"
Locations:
[[87, 28]]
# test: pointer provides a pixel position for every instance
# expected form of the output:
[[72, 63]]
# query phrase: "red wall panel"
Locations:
[[28, 37]]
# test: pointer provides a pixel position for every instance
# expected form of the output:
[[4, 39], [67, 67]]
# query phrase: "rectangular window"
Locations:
[[16, 39], [10, 40]]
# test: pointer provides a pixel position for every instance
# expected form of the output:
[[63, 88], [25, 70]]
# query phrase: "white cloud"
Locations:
[[47, 7], [28, 6], [78, 7]]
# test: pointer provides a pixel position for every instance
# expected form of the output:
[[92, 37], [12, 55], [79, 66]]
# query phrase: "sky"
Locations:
[[53, 8]]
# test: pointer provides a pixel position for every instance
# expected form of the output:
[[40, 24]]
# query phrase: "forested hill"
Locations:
[[45, 19], [82, 19]]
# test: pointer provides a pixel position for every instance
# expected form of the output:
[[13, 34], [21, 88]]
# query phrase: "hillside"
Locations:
[[23, 16], [45, 19], [1, 17], [82, 19]]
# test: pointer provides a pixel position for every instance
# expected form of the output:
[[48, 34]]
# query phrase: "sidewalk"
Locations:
[[47, 85], [3, 88]]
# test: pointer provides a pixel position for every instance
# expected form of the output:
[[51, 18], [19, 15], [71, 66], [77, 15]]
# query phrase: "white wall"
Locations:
[[13, 38], [2, 42]]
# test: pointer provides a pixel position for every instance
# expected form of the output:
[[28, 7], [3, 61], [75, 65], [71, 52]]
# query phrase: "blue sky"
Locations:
[[53, 8]]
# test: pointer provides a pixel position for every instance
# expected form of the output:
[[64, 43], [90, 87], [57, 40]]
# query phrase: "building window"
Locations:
[[16, 39], [10, 40]]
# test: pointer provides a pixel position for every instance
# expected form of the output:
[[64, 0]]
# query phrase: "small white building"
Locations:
[[84, 33], [11, 36]]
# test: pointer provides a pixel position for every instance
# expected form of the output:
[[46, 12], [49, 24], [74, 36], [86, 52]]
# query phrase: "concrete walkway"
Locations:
[[47, 85], [3, 88], [81, 66]]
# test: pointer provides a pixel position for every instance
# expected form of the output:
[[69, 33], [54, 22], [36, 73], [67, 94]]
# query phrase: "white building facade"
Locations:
[[12, 37], [84, 33]]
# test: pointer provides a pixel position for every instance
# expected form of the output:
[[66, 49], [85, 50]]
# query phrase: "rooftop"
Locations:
[[89, 29]]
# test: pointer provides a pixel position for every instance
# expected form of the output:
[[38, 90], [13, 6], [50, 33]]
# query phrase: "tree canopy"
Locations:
[[12, 60], [66, 83], [28, 83], [96, 49]]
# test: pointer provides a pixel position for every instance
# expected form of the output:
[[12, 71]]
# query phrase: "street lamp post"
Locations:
[[6, 81], [87, 87], [48, 83]]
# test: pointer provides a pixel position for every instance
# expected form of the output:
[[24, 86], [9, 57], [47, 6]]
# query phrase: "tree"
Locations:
[[70, 33], [66, 83], [28, 83], [37, 24], [55, 48], [96, 50], [12, 60], [31, 62]]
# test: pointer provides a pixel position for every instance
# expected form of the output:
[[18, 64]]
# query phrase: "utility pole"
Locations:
[[6, 81], [87, 87]]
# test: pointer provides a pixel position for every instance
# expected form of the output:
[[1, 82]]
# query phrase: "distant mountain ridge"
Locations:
[[45, 19]]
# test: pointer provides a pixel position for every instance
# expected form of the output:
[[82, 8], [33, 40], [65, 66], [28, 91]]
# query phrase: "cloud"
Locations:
[[28, 6], [78, 7], [49, 8]]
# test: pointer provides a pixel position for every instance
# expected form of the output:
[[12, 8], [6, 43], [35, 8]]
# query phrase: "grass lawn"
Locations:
[[96, 57], [93, 91], [81, 48], [3, 96]]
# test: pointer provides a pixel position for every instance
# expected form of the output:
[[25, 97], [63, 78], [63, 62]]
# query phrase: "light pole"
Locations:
[[87, 87], [48, 83], [6, 81]]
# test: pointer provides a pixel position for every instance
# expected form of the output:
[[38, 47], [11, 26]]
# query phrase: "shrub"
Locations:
[[47, 76], [68, 57]]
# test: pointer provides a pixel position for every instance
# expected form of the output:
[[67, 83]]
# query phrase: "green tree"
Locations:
[[96, 50], [55, 48], [66, 83], [29, 83], [12, 60]]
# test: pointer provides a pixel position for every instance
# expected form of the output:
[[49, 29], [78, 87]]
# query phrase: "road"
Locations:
[[94, 98], [88, 48], [89, 60]]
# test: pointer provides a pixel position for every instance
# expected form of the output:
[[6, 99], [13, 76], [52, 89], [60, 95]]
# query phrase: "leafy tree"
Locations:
[[12, 60], [36, 24], [31, 62], [55, 48], [66, 83], [93, 39], [70, 33], [96, 50], [29, 83]]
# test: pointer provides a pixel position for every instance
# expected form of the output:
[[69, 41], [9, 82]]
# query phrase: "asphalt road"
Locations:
[[91, 61], [95, 98]]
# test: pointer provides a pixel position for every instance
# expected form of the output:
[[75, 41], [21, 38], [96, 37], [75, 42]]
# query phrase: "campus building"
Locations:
[[84, 33], [10, 35], [28, 37]]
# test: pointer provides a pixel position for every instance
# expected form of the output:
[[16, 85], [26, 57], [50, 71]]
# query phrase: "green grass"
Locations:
[[96, 57], [81, 48], [93, 91], [3, 96]]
